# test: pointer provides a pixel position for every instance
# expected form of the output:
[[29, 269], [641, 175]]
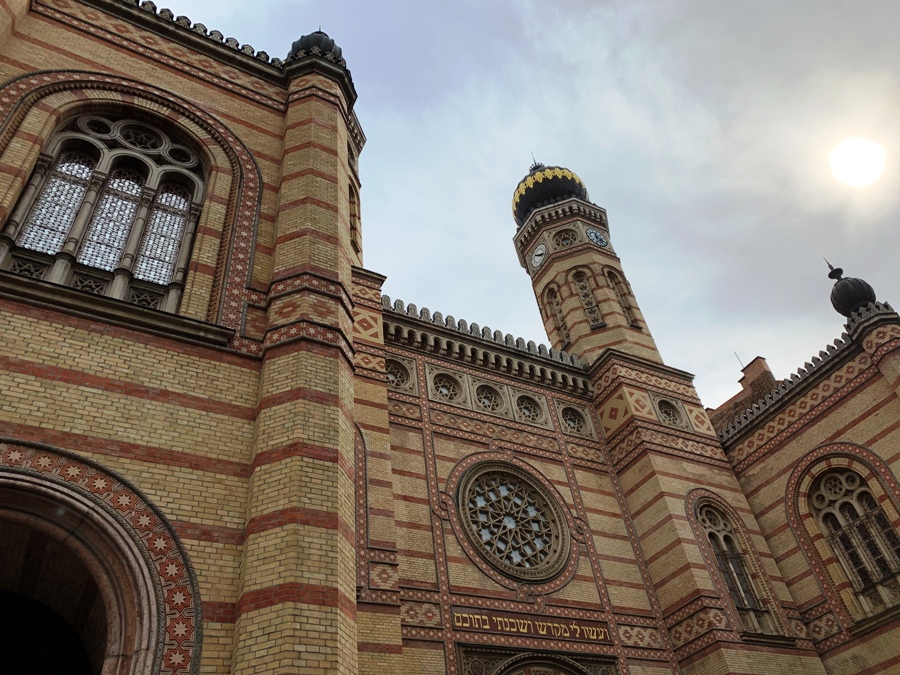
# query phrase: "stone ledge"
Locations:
[[117, 312]]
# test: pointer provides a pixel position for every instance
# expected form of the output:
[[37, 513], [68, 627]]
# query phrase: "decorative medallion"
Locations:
[[512, 522]]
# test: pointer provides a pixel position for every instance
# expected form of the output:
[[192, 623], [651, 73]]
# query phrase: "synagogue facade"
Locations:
[[223, 450]]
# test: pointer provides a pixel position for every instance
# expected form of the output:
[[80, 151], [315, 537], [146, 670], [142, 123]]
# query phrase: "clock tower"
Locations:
[[563, 243]]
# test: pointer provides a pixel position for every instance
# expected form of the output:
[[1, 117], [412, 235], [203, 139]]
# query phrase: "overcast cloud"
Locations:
[[702, 127]]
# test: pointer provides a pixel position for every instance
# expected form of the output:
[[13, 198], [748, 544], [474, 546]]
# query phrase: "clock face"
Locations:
[[538, 256], [597, 238]]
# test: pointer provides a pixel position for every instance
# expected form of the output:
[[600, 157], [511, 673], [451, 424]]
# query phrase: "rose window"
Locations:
[[446, 387], [573, 420], [528, 409], [512, 522], [396, 374], [487, 397]]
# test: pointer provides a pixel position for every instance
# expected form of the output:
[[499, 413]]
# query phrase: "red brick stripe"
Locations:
[[219, 612], [298, 394], [294, 515], [308, 450], [293, 591], [81, 379], [379, 648], [138, 337], [218, 534], [140, 453]]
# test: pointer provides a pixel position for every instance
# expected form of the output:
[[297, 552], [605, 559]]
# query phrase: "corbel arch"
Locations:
[[34, 106], [97, 520]]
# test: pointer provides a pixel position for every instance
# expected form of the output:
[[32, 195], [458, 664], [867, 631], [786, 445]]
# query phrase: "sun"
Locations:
[[857, 161]]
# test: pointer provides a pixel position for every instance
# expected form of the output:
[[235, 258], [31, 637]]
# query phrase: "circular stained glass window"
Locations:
[[512, 522]]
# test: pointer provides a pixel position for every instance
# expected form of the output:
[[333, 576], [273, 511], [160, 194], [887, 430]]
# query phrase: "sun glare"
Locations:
[[857, 161]]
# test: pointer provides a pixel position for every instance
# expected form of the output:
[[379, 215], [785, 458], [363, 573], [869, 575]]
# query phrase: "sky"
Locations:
[[703, 128]]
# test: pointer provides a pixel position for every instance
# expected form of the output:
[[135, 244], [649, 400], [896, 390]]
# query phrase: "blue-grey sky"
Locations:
[[702, 127]]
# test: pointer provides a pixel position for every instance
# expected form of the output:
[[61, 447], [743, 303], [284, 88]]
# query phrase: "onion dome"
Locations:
[[542, 186], [316, 44], [849, 294]]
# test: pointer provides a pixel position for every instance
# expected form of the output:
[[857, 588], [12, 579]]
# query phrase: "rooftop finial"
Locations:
[[835, 272], [535, 165]]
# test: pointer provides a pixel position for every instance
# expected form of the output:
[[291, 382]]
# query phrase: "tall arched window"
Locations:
[[621, 291], [734, 569], [111, 208], [558, 318], [861, 536], [591, 310]]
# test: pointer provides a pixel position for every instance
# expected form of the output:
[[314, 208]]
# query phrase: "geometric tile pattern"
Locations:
[[170, 571], [420, 614]]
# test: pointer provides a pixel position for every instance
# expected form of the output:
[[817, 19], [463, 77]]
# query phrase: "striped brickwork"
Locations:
[[842, 414], [587, 338]]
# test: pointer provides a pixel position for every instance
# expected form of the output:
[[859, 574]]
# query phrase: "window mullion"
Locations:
[[170, 304], [119, 285], [66, 257], [13, 226]]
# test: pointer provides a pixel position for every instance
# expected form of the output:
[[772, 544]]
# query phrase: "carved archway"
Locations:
[[143, 578]]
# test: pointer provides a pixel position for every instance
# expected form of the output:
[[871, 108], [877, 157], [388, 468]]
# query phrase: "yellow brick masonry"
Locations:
[[301, 578], [379, 640]]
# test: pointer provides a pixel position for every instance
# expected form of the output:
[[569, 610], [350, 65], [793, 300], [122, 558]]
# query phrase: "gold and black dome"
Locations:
[[316, 44], [542, 186]]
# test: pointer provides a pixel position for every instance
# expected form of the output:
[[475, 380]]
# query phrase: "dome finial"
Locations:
[[835, 272], [848, 294]]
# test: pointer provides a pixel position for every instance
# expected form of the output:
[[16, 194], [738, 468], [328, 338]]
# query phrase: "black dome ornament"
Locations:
[[542, 186], [317, 44], [849, 294]]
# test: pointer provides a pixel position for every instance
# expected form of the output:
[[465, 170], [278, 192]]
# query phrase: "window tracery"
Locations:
[[558, 316], [734, 570], [487, 397], [574, 421], [111, 208], [860, 533], [621, 293], [512, 522], [528, 409], [591, 310]]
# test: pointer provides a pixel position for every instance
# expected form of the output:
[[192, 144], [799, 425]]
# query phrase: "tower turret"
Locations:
[[563, 243]]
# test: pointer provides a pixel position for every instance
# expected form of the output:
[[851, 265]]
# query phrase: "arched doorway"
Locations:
[[93, 562], [28, 627]]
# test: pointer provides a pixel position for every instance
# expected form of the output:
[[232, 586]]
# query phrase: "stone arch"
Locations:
[[32, 107], [544, 664], [694, 501], [150, 597], [830, 575]]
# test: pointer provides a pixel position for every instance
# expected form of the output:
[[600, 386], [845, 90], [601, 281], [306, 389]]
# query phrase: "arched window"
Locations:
[[591, 310], [111, 209], [861, 536], [621, 291], [558, 318], [734, 570]]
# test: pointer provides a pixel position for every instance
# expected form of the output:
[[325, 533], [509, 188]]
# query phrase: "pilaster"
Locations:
[[297, 607]]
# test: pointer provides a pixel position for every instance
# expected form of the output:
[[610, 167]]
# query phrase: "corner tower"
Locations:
[[564, 244]]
